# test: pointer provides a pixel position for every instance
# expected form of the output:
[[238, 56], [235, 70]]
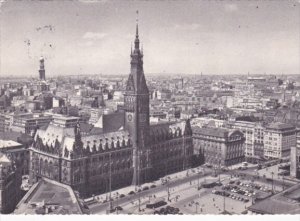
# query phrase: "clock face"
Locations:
[[129, 117]]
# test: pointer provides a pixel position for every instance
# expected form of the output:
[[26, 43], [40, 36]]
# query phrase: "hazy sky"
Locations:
[[184, 36]]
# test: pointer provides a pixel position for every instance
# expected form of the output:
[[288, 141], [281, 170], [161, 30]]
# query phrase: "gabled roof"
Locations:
[[4, 159]]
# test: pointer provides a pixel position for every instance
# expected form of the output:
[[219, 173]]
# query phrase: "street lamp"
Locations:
[[168, 190], [282, 183], [224, 202], [110, 200], [219, 169], [196, 204], [117, 200], [139, 191], [198, 180], [272, 182]]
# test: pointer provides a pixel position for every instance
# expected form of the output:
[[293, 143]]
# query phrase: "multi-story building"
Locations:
[[254, 137], [17, 153], [278, 140], [163, 94], [295, 157], [96, 113], [28, 124], [135, 153], [221, 147], [10, 182], [295, 162], [5, 120]]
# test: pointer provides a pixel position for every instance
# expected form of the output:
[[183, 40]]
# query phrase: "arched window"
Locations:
[[46, 166], [51, 169], [42, 169]]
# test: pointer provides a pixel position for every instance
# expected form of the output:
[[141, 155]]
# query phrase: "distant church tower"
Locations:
[[42, 69], [136, 101]]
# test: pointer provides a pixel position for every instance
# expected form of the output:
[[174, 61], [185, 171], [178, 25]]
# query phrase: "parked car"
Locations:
[[145, 188], [131, 193], [284, 173], [119, 208]]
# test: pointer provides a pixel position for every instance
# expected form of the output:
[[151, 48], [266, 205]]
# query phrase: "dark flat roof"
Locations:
[[216, 132], [280, 126]]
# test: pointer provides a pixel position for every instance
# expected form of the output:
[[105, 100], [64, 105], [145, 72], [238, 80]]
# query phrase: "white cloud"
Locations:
[[231, 7], [190, 27], [94, 35]]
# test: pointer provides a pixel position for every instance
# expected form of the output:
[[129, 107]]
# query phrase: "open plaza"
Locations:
[[201, 190]]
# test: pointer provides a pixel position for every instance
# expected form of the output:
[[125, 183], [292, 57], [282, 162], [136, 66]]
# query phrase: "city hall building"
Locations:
[[136, 153]]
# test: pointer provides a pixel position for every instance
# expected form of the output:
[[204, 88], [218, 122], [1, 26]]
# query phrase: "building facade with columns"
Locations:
[[220, 147]]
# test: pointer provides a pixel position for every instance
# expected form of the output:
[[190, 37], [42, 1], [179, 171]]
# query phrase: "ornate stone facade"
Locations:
[[221, 147], [94, 164]]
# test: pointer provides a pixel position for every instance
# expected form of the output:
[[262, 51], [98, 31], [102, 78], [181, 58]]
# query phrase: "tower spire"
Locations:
[[137, 41], [137, 24]]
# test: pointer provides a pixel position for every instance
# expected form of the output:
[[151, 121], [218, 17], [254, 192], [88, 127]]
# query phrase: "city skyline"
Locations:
[[181, 145], [189, 37]]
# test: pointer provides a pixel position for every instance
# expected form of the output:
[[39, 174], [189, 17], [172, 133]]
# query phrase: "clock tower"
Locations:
[[136, 100], [42, 69]]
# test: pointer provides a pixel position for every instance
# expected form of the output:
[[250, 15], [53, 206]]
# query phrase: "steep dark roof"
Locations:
[[85, 127], [113, 122]]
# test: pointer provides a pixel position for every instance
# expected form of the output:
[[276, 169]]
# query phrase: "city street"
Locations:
[[181, 180], [184, 193]]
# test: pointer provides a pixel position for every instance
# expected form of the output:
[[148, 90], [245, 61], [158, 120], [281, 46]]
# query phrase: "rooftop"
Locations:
[[4, 159], [280, 126], [8, 143], [216, 132], [286, 202], [15, 136], [49, 196]]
